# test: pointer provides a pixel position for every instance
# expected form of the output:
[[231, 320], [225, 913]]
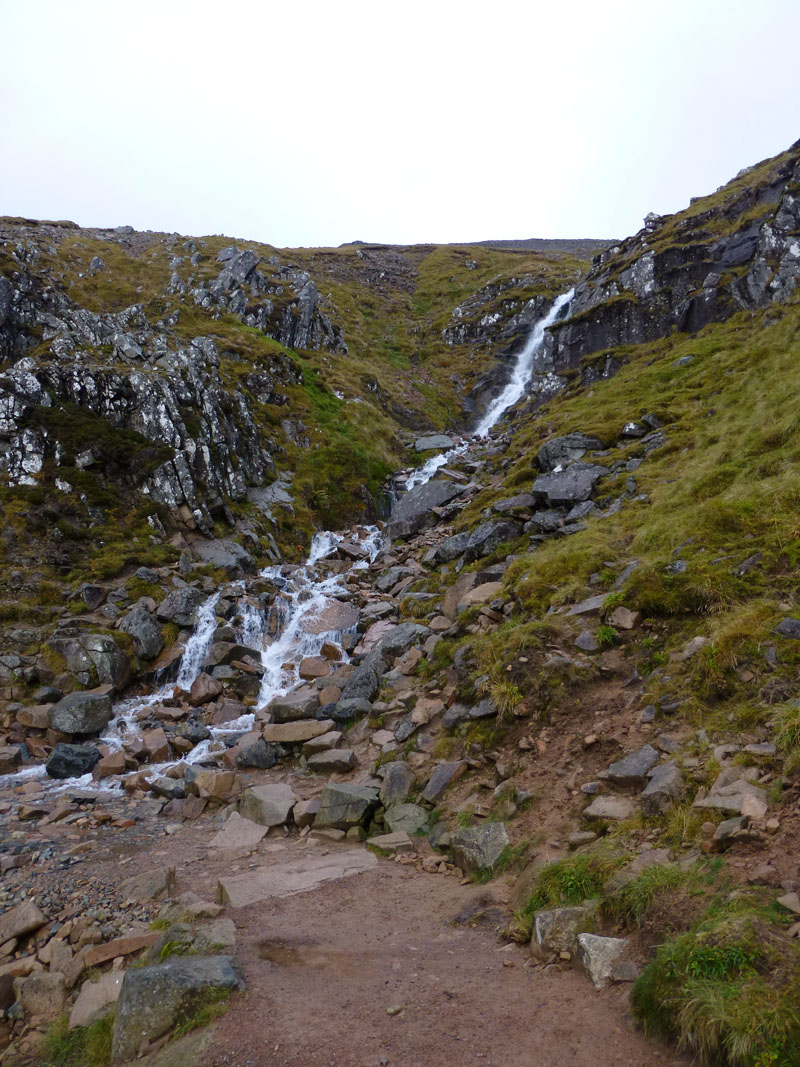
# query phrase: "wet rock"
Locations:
[[476, 848], [154, 999], [10, 758], [406, 818], [268, 805], [204, 690], [81, 713], [597, 956], [71, 761], [343, 806], [299, 704]]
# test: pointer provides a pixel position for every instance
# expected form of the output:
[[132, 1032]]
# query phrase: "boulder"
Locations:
[[451, 548], [110, 662], [443, 776], [478, 848], [361, 685], [238, 833], [342, 806], [20, 920], [438, 441], [41, 995], [149, 885], [154, 1000], [406, 818], [597, 955], [663, 790], [10, 758], [337, 759], [312, 667], [226, 554], [96, 999], [560, 451], [520, 502], [397, 640], [180, 606], [489, 536], [569, 486], [145, 632], [612, 809], [398, 781], [294, 733], [556, 929], [204, 690], [268, 805], [415, 509], [631, 771], [299, 704], [81, 713], [71, 761]]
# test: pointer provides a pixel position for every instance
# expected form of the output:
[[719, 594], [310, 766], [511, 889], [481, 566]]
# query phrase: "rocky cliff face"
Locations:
[[738, 249]]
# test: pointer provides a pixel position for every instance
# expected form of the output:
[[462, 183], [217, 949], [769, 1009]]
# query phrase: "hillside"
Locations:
[[567, 664]]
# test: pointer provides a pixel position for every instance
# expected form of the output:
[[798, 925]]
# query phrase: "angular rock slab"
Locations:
[[631, 771], [597, 955], [556, 929], [294, 876], [96, 999], [81, 713], [343, 806], [154, 999], [268, 805], [406, 818], [238, 833], [614, 809], [476, 848]]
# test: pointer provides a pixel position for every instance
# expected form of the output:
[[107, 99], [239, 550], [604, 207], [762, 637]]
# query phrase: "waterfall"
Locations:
[[523, 369], [513, 392], [198, 643]]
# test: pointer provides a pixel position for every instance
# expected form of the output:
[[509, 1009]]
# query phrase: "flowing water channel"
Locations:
[[303, 597]]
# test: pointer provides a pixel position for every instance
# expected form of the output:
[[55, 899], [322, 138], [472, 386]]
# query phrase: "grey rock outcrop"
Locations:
[[81, 713]]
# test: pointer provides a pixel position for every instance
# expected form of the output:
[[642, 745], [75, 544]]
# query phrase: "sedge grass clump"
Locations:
[[570, 881], [83, 1046]]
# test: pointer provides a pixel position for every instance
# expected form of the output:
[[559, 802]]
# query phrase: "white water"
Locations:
[[523, 369], [303, 595], [513, 392]]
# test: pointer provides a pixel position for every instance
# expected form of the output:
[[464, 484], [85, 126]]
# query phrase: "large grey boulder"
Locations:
[[398, 781], [154, 1000], [451, 548], [663, 790], [343, 806], [478, 848], [569, 486], [563, 450], [556, 929], [299, 704], [415, 510], [180, 606], [268, 805], [631, 771], [439, 441], [393, 575], [489, 536], [399, 639], [406, 818], [145, 632], [112, 665], [361, 685], [71, 761], [226, 555], [443, 776], [81, 713], [597, 955]]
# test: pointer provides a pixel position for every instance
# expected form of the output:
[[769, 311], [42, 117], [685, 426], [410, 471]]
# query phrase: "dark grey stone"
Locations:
[[180, 606], [81, 713], [153, 1000], [569, 486], [489, 536], [415, 509], [71, 761], [789, 628], [451, 548], [343, 806], [632, 769], [566, 449], [398, 781], [145, 632], [476, 848], [663, 790]]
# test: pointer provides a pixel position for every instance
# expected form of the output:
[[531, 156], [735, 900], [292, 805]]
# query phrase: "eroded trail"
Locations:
[[327, 969]]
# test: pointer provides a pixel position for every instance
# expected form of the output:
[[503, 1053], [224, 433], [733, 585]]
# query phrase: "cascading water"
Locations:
[[304, 597], [513, 392]]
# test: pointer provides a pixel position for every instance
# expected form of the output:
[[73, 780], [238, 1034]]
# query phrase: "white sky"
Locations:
[[317, 122]]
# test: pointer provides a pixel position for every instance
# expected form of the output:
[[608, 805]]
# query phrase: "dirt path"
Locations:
[[324, 968]]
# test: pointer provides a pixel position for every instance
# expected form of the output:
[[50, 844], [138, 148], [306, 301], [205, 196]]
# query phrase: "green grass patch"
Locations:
[[85, 1046]]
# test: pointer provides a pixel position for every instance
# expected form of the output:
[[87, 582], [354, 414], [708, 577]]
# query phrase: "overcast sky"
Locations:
[[317, 122]]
